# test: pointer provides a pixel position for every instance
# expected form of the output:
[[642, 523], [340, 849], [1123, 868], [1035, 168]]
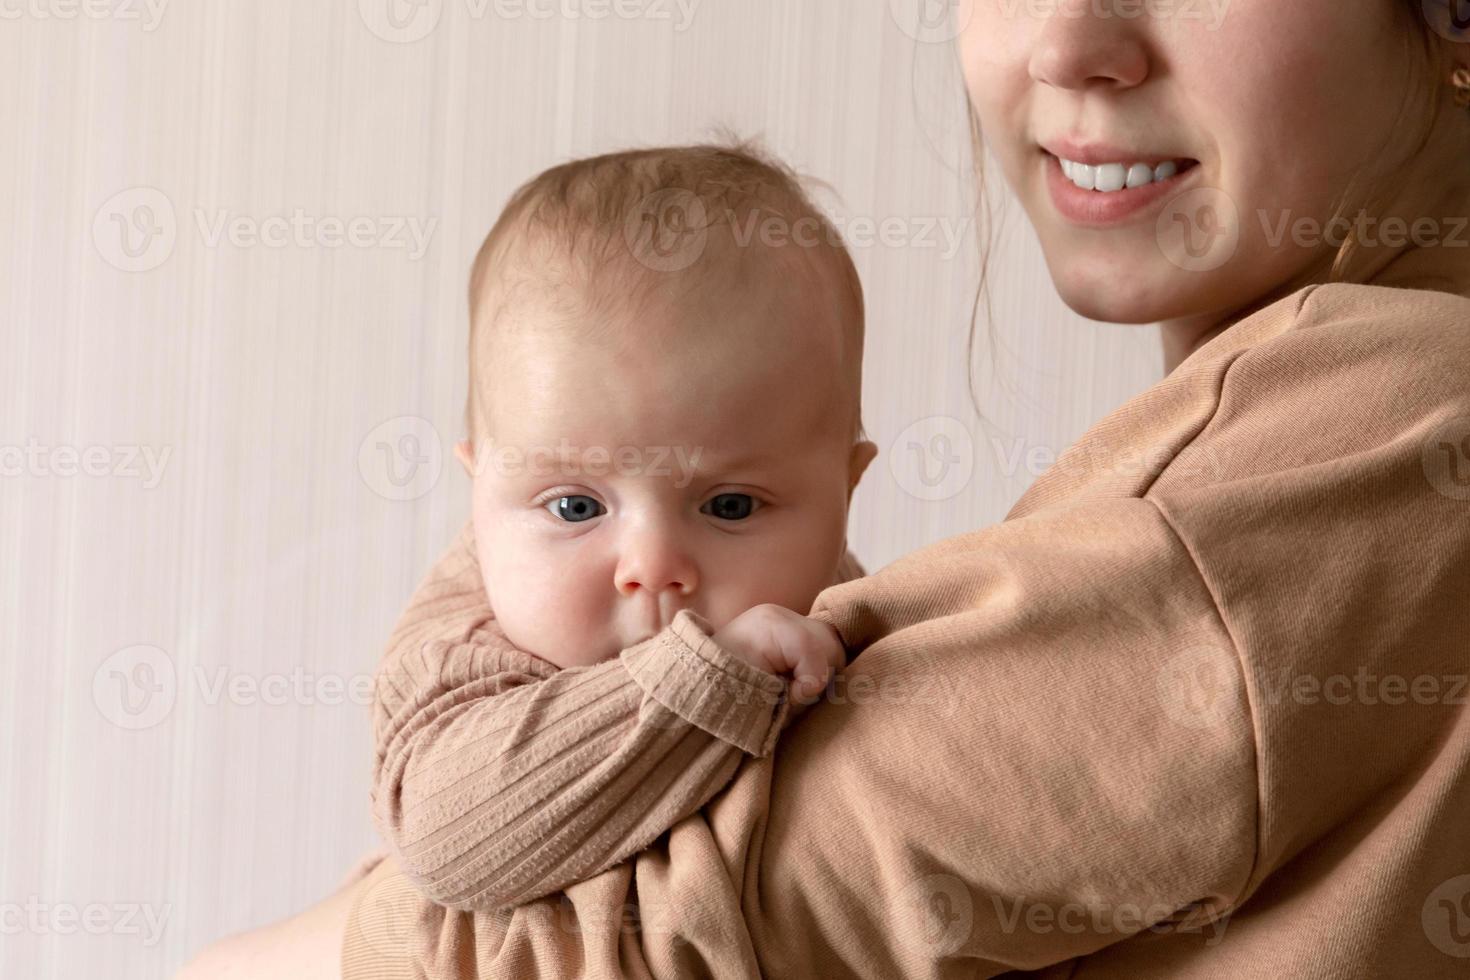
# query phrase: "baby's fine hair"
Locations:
[[643, 216]]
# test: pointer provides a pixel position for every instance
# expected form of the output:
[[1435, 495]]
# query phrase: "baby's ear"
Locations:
[[464, 451], [858, 459]]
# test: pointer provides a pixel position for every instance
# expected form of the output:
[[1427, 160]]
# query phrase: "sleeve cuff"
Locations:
[[685, 671]]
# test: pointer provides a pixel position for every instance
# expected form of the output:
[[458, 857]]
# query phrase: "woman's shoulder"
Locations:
[[1344, 305], [1335, 393], [1334, 342], [1330, 310]]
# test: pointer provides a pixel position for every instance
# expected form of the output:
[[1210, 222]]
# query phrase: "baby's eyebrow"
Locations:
[[702, 458], [748, 460]]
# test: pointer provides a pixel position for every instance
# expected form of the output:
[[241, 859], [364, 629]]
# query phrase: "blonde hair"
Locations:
[[611, 226]]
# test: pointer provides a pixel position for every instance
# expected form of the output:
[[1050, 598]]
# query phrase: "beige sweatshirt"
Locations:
[[1196, 708]]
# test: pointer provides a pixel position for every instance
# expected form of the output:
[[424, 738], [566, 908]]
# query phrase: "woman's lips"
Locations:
[[1100, 208]]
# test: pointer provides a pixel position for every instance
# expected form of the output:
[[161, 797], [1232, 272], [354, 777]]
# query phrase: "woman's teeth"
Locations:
[[1110, 177]]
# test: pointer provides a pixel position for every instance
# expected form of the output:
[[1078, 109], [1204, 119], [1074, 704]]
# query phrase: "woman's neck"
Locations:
[[1444, 266], [1183, 336]]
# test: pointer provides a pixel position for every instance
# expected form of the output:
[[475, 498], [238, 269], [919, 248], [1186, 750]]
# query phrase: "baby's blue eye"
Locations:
[[575, 508], [731, 506]]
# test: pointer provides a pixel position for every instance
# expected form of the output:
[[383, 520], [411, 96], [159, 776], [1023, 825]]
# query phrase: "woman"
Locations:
[[1200, 698]]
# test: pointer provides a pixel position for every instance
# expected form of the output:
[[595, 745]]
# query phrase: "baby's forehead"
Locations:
[[743, 302], [750, 332], [734, 406]]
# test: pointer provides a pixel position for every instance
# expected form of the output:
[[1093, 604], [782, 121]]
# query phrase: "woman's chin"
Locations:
[[1109, 293], [1108, 301]]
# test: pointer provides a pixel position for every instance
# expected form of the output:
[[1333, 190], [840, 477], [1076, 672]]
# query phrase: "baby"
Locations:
[[664, 435]]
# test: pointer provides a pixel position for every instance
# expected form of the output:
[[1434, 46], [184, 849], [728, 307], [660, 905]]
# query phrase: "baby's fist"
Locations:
[[779, 641]]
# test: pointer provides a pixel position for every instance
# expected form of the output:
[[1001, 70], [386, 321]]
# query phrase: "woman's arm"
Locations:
[[1178, 682], [1050, 753], [500, 778]]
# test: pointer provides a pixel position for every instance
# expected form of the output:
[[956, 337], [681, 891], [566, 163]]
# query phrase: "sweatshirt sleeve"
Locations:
[[500, 778], [1019, 768]]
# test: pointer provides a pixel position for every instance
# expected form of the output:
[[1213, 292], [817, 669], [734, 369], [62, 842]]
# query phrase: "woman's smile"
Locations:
[[1109, 193]]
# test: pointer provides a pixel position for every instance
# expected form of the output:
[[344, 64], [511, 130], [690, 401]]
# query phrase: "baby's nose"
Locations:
[[657, 564]]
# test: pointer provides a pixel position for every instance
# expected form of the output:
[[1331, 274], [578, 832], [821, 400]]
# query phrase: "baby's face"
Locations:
[[695, 461]]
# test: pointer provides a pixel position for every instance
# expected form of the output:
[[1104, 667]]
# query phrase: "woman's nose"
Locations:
[[1081, 45], [655, 560]]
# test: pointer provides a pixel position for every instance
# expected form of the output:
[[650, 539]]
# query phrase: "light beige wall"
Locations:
[[265, 545]]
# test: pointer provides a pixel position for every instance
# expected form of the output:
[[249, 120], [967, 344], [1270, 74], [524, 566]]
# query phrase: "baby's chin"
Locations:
[[565, 648]]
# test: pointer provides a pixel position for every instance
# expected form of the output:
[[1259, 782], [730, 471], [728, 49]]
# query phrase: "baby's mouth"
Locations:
[[652, 620], [646, 633]]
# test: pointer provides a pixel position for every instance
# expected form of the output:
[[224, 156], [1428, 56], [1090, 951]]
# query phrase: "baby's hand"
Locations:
[[779, 641]]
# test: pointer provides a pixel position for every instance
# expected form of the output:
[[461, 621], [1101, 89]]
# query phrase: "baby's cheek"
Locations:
[[551, 604], [792, 577], [570, 628]]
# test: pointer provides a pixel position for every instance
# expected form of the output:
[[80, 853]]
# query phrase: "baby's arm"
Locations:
[[500, 778]]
